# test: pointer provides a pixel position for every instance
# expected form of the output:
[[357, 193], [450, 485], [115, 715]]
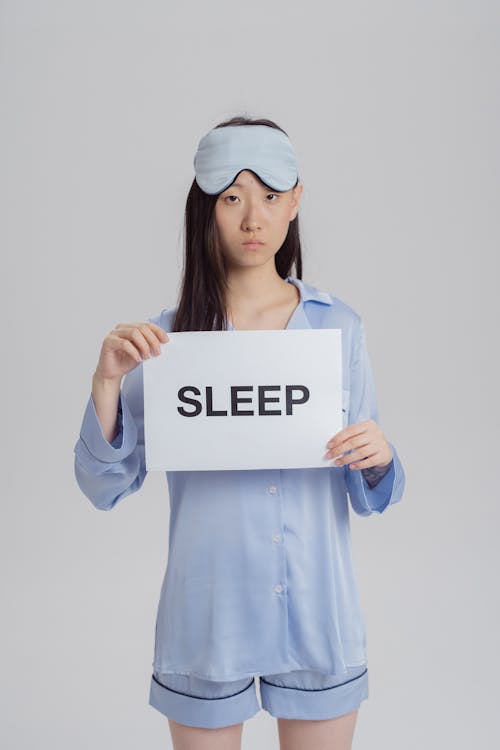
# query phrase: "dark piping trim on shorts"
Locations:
[[189, 695], [315, 689]]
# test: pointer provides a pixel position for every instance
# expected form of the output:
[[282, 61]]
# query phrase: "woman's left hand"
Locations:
[[367, 442]]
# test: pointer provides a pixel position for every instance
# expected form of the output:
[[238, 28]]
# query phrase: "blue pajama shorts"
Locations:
[[300, 694]]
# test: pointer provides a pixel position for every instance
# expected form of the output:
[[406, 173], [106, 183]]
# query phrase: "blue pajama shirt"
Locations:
[[259, 577]]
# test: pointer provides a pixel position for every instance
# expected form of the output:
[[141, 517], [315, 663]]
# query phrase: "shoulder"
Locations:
[[333, 310], [165, 318]]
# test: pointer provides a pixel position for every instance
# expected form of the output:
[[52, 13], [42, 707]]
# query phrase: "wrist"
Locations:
[[383, 466], [107, 383]]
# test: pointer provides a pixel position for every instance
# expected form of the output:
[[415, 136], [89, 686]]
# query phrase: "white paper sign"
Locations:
[[225, 400]]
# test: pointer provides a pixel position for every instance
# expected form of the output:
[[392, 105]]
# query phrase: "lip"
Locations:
[[252, 242]]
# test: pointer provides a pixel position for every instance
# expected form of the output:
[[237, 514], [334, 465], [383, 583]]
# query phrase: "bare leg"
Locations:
[[199, 738], [324, 734]]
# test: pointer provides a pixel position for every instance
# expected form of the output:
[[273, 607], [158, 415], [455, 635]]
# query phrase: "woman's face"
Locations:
[[247, 210]]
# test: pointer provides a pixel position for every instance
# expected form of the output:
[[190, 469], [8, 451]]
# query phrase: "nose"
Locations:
[[250, 226], [250, 220]]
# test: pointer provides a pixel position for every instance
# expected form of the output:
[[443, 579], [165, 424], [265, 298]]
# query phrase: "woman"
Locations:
[[259, 578]]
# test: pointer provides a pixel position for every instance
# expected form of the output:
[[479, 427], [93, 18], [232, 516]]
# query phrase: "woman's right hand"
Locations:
[[126, 346]]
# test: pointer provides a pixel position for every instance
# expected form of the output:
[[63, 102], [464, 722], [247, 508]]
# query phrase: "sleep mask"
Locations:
[[226, 151]]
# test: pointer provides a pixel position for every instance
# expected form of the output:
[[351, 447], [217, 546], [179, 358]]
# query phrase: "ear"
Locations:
[[294, 207]]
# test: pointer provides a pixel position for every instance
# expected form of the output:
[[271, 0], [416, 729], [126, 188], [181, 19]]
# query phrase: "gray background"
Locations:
[[393, 108]]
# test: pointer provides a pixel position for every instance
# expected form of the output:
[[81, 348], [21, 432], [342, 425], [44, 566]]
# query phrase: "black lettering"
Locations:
[[289, 398], [193, 401], [210, 410], [235, 400], [264, 399]]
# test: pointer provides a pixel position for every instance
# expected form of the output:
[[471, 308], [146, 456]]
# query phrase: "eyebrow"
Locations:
[[239, 185]]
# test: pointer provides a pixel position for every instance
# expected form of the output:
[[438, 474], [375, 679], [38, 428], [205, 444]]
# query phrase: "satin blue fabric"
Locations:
[[224, 152], [259, 577], [299, 694]]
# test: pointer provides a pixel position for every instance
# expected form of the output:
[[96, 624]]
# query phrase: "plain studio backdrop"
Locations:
[[393, 108]]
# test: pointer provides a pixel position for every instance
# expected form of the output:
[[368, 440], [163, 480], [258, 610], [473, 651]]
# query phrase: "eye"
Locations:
[[227, 197]]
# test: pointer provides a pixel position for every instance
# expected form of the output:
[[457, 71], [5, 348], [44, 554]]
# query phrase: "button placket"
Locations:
[[272, 489]]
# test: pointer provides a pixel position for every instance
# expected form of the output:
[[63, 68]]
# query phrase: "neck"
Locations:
[[254, 287]]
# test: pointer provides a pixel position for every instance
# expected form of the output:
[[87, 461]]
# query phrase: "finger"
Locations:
[[350, 431], [135, 335], [160, 332], [153, 333], [351, 444], [128, 347], [373, 460], [363, 438], [150, 337], [122, 344], [361, 454]]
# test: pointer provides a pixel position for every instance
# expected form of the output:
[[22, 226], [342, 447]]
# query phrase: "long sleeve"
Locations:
[[107, 472], [367, 497]]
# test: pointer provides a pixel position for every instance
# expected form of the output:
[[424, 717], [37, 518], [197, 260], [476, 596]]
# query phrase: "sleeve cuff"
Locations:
[[374, 474], [389, 490], [92, 435]]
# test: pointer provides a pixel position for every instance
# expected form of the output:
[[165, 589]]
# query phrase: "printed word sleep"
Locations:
[[289, 397]]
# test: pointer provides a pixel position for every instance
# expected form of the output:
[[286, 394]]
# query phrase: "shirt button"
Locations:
[[278, 588], [276, 538], [273, 489]]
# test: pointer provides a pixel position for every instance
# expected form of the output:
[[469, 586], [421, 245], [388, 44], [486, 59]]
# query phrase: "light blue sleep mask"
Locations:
[[224, 152]]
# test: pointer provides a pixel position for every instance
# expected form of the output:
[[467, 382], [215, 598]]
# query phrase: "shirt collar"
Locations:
[[309, 292]]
